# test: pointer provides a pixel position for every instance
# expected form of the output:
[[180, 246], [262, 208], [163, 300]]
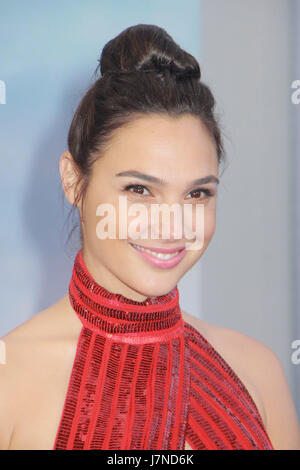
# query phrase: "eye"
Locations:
[[208, 193], [138, 187], [139, 190]]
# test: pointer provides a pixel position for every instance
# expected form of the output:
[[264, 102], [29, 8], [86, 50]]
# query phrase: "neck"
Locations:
[[107, 279], [120, 317]]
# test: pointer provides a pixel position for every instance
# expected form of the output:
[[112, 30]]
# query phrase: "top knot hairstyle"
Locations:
[[143, 71]]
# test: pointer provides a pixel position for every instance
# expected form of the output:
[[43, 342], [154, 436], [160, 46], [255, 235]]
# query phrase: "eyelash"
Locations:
[[208, 192]]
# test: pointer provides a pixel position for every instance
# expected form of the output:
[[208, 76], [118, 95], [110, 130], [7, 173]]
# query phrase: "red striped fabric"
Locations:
[[143, 378]]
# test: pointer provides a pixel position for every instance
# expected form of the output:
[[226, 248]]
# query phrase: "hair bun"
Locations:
[[147, 48]]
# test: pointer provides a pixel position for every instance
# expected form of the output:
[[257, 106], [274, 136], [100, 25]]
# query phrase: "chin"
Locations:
[[154, 290]]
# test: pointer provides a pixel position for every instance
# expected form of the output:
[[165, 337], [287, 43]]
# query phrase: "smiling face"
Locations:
[[153, 160]]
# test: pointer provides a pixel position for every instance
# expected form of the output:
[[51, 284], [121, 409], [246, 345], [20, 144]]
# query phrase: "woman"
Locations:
[[115, 363]]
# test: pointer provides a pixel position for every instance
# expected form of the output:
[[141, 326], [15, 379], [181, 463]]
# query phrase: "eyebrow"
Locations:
[[155, 179]]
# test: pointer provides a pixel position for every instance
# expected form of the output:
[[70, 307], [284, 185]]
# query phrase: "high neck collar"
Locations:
[[120, 317]]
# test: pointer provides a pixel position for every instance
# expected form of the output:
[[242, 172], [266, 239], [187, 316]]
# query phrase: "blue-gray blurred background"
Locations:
[[249, 53]]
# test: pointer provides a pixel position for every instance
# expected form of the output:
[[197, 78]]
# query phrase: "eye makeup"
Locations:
[[140, 187]]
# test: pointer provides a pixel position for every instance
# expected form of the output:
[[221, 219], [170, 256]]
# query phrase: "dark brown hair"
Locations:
[[143, 71]]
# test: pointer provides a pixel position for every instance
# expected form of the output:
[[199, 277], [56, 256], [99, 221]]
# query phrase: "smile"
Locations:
[[159, 258]]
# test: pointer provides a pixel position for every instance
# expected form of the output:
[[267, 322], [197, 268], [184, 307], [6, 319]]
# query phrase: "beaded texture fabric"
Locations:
[[143, 378]]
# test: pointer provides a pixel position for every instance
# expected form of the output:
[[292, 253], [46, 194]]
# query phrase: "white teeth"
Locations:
[[157, 255]]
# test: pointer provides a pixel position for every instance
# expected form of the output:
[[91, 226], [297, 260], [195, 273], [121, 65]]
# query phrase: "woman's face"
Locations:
[[176, 152]]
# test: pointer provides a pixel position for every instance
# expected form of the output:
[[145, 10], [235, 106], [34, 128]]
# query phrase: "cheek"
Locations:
[[209, 229], [92, 216], [209, 225], [210, 221], [204, 221], [205, 229], [204, 234]]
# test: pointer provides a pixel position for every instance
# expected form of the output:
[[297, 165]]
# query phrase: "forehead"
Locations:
[[163, 142]]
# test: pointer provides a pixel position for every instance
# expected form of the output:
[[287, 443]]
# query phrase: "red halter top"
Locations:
[[143, 378]]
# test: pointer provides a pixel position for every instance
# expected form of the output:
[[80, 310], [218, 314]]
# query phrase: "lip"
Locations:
[[161, 263], [157, 249]]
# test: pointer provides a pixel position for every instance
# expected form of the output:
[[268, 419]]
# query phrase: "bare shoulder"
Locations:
[[26, 349], [19, 347], [261, 371]]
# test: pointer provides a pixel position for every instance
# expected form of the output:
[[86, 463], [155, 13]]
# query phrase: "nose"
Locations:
[[175, 223], [167, 222]]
